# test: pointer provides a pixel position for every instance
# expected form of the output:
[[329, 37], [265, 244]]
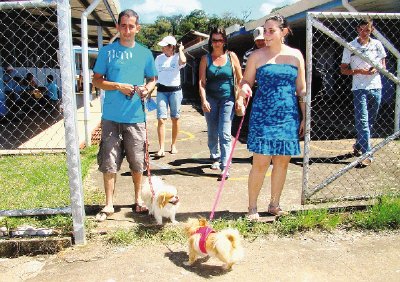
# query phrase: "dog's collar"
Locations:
[[204, 232], [174, 202]]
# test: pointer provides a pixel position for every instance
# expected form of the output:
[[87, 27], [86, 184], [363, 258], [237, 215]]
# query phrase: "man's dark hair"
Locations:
[[50, 77], [129, 13], [365, 21], [217, 30]]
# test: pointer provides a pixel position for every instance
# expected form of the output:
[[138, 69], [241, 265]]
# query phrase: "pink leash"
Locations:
[[221, 185]]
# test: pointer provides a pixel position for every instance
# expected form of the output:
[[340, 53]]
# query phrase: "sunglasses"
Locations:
[[217, 40]]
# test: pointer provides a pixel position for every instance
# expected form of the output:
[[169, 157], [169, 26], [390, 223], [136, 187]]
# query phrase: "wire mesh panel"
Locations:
[[31, 91], [335, 167], [39, 152]]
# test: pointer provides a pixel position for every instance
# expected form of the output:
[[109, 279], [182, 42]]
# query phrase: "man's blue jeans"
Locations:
[[366, 107], [219, 124]]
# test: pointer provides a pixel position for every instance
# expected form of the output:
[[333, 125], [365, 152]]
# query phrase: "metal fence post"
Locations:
[[71, 132]]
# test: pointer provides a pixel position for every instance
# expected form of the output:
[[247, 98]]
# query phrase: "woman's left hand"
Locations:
[[302, 127]]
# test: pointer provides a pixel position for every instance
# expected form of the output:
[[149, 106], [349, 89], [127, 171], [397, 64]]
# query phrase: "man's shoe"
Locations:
[[221, 176], [366, 162], [215, 166]]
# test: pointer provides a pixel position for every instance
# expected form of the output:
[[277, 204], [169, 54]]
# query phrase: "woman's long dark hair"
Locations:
[[217, 30]]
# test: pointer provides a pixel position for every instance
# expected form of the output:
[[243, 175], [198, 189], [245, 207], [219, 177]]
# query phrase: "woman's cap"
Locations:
[[167, 40], [258, 33]]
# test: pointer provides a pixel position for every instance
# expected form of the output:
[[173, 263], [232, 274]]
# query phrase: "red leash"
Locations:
[[147, 155], [221, 185]]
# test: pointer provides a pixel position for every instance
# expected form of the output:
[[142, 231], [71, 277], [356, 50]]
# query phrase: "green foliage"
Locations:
[[179, 25]]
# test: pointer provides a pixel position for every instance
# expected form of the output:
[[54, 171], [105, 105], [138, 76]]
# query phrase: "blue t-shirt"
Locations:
[[52, 91], [124, 65]]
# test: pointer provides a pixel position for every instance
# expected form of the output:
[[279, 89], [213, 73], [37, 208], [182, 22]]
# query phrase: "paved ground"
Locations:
[[337, 256]]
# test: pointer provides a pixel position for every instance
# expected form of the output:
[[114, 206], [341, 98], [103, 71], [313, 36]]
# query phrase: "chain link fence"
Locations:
[[39, 151], [332, 170]]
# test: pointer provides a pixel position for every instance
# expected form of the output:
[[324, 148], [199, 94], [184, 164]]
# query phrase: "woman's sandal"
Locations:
[[276, 210], [253, 215], [139, 208], [174, 150], [103, 215], [159, 154]]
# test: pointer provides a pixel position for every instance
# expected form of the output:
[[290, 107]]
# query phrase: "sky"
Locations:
[[148, 10]]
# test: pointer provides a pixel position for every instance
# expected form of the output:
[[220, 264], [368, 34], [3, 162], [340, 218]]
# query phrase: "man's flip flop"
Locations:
[[139, 208], [103, 215]]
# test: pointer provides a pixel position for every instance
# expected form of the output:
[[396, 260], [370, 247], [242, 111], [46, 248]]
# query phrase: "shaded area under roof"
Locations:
[[41, 16], [104, 15]]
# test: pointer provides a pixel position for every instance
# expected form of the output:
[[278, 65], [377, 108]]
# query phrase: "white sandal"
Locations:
[[103, 215], [253, 215]]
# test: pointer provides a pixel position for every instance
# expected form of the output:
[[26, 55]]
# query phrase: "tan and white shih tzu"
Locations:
[[203, 240], [164, 202]]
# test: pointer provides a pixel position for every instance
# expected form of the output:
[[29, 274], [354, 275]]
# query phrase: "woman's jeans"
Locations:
[[219, 125], [366, 107]]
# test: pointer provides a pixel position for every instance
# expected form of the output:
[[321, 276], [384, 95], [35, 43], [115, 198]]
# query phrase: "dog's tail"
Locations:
[[233, 236]]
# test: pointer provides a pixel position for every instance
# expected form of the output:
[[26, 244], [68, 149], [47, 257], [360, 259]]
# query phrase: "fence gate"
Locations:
[[331, 170], [35, 133]]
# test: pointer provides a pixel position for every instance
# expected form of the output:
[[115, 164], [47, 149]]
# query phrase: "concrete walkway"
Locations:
[[190, 172]]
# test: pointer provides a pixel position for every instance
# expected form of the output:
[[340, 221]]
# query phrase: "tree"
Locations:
[[179, 25]]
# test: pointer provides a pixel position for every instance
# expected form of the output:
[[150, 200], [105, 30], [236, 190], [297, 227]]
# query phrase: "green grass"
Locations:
[[385, 215], [38, 181]]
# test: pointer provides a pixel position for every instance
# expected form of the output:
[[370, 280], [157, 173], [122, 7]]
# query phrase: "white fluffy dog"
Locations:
[[164, 202]]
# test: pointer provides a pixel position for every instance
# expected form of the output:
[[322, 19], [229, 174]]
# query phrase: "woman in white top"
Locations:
[[169, 90]]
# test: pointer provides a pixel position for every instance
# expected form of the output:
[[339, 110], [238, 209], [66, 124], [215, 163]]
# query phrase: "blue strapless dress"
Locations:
[[274, 119]]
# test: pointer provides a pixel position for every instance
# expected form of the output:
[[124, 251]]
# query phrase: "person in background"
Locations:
[[9, 85], [259, 42], [217, 96], [52, 92], [30, 80], [366, 85], [121, 69], [275, 124], [169, 90]]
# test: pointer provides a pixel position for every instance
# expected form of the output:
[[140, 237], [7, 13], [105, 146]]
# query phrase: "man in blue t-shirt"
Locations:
[[126, 70]]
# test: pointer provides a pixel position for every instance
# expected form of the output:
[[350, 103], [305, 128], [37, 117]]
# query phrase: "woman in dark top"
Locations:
[[217, 96]]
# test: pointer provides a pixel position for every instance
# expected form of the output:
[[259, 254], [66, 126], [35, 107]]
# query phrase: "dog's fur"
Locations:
[[224, 245], [165, 202]]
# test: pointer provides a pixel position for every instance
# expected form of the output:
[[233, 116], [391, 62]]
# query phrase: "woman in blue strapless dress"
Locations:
[[275, 122]]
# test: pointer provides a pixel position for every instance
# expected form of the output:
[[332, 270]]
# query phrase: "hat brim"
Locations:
[[162, 43], [260, 37]]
